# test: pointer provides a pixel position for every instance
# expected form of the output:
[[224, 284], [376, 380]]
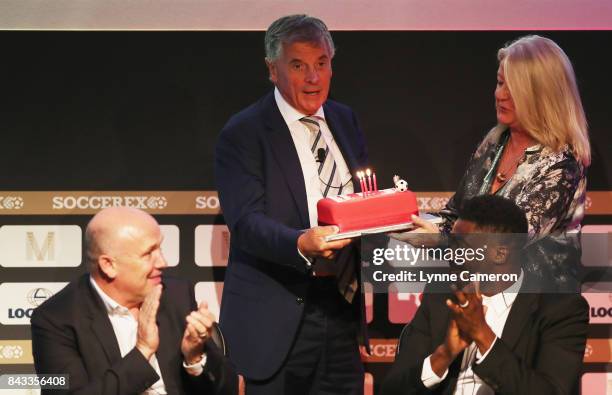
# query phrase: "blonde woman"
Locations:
[[536, 155]]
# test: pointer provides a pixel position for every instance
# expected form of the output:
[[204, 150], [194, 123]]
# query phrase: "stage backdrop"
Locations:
[[95, 119]]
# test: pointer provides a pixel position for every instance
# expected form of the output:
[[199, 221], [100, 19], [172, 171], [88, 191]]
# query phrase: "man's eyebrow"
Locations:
[[151, 248]]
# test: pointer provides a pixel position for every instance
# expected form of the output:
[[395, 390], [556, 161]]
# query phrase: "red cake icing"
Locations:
[[357, 211]]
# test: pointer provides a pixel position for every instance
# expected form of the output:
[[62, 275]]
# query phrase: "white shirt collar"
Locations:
[[111, 306], [504, 300], [290, 114]]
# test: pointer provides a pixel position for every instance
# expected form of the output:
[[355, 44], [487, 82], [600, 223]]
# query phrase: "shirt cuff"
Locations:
[[428, 376], [197, 368], [306, 259], [481, 357]]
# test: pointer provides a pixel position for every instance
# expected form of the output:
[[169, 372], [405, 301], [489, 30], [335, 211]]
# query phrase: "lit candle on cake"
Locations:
[[361, 181], [374, 179], [369, 174]]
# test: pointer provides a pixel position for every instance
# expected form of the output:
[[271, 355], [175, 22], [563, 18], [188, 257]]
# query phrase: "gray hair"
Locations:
[[296, 28]]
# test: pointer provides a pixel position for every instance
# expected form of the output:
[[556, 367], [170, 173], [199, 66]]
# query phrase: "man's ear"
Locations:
[[272, 71], [108, 266], [500, 255]]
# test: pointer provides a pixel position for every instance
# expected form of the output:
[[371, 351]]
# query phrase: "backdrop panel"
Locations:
[[92, 119]]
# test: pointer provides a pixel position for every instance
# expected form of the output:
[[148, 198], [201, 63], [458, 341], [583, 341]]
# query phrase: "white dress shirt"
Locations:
[[125, 327], [497, 310], [301, 139]]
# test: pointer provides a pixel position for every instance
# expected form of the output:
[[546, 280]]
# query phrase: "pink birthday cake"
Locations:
[[375, 208]]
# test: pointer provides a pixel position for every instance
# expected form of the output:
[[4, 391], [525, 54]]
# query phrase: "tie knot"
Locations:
[[311, 123]]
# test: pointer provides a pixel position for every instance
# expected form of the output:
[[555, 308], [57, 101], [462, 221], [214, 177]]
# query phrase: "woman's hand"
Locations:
[[424, 234]]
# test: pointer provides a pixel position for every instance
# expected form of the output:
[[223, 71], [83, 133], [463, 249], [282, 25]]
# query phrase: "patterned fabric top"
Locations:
[[549, 186]]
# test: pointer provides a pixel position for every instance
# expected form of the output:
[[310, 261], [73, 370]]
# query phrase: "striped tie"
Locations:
[[329, 176], [330, 183]]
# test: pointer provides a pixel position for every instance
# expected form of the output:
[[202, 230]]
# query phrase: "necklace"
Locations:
[[502, 175]]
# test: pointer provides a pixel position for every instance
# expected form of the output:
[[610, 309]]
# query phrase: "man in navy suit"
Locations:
[[290, 308]]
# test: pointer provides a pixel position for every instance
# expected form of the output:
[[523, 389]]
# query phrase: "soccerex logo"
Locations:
[[381, 350], [99, 202], [11, 352], [11, 202], [431, 203], [203, 202]]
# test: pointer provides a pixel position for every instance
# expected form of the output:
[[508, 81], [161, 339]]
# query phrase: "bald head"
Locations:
[[124, 253], [111, 229]]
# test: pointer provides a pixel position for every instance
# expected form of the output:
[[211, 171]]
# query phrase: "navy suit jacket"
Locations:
[[263, 197]]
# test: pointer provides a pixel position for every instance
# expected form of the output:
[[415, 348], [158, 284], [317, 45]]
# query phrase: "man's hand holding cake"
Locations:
[[312, 243]]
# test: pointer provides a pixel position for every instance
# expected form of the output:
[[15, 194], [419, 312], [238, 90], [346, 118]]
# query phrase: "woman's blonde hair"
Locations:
[[541, 81]]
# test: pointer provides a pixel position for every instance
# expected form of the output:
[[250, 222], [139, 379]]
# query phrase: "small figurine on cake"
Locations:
[[400, 185]]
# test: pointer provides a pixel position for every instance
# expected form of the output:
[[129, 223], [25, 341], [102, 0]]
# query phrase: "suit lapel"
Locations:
[[522, 309], [163, 354], [283, 147], [105, 335], [453, 373], [100, 324]]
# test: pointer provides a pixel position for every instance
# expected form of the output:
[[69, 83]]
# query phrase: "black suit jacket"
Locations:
[[540, 351], [263, 197], [72, 334]]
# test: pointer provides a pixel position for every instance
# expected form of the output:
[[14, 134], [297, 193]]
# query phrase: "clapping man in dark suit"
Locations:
[[290, 306], [500, 338], [124, 328]]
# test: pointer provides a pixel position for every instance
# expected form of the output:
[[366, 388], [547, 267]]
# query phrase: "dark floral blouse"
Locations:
[[549, 186]]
